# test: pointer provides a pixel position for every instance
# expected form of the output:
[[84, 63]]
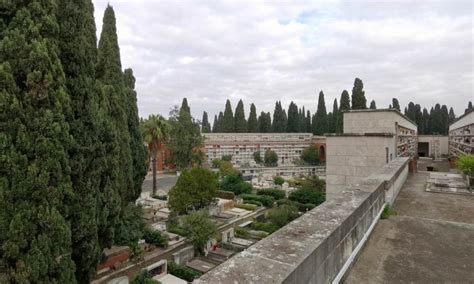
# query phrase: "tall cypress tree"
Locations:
[[279, 118], [220, 119], [205, 125], [240, 124], [302, 120], [358, 95], [425, 118], [444, 120], [395, 104], [320, 118], [228, 119], [469, 107], [334, 116], [35, 171], [345, 105], [78, 54], [451, 116], [265, 122], [372, 105], [253, 122], [308, 122], [293, 118], [215, 124], [117, 181]]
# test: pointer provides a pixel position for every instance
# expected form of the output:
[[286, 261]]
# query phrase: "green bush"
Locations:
[[466, 164], [154, 237], [143, 277], [270, 158], [282, 215], [235, 183], [254, 202], [241, 232], [226, 194], [182, 271], [266, 200], [307, 195], [275, 193], [227, 158], [266, 227], [310, 155], [247, 206], [178, 230], [278, 180], [284, 201], [387, 212]]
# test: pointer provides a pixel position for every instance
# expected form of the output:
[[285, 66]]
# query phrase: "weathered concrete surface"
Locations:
[[431, 240]]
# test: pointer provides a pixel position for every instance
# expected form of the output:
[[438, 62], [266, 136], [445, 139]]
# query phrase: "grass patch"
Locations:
[[387, 212]]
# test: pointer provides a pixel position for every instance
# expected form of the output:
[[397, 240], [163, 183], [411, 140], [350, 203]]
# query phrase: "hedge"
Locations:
[[182, 271], [254, 202], [247, 206], [266, 227], [178, 230], [225, 194], [266, 200], [275, 193], [155, 238]]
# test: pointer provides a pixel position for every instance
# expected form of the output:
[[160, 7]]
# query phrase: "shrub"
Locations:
[[307, 195], [254, 202], [227, 158], [247, 206], [182, 271], [270, 158], [266, 227], [278, 180], [466, 164], [284, 201], [257, 157], [226, 194], [266, 200], [143, 277], [216, 163], [241, 232], [178, 230], [282, 215], [387, 212], [275, 193], [155, 238], [310, 155], [235, 183]]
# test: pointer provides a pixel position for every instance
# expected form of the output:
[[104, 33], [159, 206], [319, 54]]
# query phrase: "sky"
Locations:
[[264, 51]]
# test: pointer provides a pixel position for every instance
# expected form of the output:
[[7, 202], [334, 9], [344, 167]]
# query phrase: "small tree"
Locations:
[[270, 158], [466, 165], [257, 157], [227, 158], [199, 228], [235, 183], [310, 155], [194, 190], [278, 180], [282, 214], [143, 277], [226, 168], [307, 195]]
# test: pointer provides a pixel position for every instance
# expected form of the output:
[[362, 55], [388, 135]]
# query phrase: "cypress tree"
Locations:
[[395, 104], [253, 122], [451, 116], [227, 125], [321, 122], [469, 107], [264, 122], [35, 171], [334, 116], [444, 120], [330, 119], [78, 54], [205, 125], [372, 105], [358, 95], [279, 118], [220, 119], [240, 124], [117, 180], [425, 118], [345, 105], [302, 120], [418, 117], [308, 122], [293, 118], [215, 124], [411, 111]]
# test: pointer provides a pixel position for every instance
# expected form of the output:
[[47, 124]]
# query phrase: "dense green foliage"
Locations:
[[387, 212], [275, 193], [226, 194], [344, 105], [205, 125], [282, 215], [395, 104], [278, 180], [279, 118], [130, 225], [307, 195], [247, 206], [185, 137], [154, 237], [266, 227], [182, 271], [227, 122], [265, 122], [235, 183], [194, 189], [143, 277], [252, 121], [226, 168], [199, 228], [270, 158], [266, 200], [293, 124], [257, 157], [373, 105], [320, 123], [465, 164], [240, 124], [310, 155], [358, 95]]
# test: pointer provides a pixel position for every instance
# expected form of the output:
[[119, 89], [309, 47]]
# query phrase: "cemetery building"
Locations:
[[461, 135]]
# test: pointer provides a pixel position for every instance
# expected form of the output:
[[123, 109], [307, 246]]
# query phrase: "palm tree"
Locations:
[[155, 130]]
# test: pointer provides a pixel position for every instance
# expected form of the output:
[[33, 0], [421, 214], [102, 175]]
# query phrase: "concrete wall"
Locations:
[[351, 158], [438, 144], [318, 246], [463, 121], [375, 121]]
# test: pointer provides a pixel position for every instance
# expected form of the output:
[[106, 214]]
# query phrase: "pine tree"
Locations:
[[333, 119], [253, 122], [444, 120], [308, 122], [372, 105], [240, 124], [220, 119], [264, 122], [215, 124], [411, 111], [302, 120], [293, 118], [227, 125], [35, 170], [279, 118], [451, 117], [321, 122], [418, 117], [205, 125], [358, 95], [345, 105], [395, 104], [425, 118], [469, 107]]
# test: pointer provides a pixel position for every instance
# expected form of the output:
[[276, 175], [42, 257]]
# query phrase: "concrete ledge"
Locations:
[[314, 247]]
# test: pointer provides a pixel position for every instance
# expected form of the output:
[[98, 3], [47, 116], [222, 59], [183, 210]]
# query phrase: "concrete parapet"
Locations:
[[315, 247]]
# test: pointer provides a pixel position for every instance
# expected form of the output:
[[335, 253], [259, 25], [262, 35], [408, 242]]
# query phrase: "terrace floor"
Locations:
[[430, 240]]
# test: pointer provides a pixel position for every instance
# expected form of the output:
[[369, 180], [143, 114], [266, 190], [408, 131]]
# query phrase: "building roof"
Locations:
[[381, 110]]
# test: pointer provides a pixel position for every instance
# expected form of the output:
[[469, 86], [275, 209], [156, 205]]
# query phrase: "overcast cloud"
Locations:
[[263, 51]]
